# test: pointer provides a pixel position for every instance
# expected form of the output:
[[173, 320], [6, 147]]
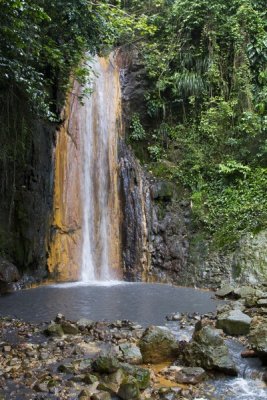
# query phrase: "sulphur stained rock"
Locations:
[[258, 337], [131, 353], [234, 322], [208, 350], [158, 345], [191, 375]]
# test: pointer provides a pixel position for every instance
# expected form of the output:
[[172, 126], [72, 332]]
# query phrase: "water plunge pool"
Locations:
[[143, 303]]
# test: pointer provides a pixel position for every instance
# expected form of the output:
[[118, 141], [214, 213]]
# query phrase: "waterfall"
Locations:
[[85, 235], [99, 119]]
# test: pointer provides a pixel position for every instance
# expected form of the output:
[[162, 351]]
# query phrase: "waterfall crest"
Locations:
[[85, 243]]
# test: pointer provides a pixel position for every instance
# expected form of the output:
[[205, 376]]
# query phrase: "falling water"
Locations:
[[99, 126], [85, 235]]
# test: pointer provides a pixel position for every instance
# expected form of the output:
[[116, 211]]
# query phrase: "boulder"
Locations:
[[244, 291], [129, 389], [106, 365], [69, 328], [208, 350], [158, 345], [8, 271], [66, 368], [190, 375], [225, 290], [54, 330], [258, 337], [142, 375], [101, 396], [131, 353], [111, 382], [84, 323], [234, 322]]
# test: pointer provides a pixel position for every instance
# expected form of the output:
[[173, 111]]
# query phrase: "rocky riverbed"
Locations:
[[186, 359]]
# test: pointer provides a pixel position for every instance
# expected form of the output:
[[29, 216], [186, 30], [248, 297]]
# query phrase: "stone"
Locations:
[[41, 387], [106, 365], [84, 365], [69, 328], [66, 368], [244, 291], [84, 323], [248, 353], [208, 350], [190, 375], [8, 271], [111, 382], [59, 318], [226, 290], [101, 396], [54, 330], [142, 375], [129, 389], [158, 345], [89, 379], [162, 191], [234, 322], [85, 394], [262, 302], [258, 337], [131, 353]]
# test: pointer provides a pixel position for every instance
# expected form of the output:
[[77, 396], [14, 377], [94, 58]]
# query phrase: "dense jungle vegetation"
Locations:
[[207, 102], [206, 69]]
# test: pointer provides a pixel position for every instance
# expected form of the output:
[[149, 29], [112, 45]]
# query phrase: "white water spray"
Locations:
[[98, 125]]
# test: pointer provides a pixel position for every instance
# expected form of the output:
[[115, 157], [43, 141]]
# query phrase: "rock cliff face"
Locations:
[[65, 239], [135, 203], [154, 229], [159, 240], [245, 263], [25, 207]]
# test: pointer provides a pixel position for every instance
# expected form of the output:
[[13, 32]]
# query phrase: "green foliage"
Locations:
[[137, 131], [234, 208], [43, 42], [207, 70]]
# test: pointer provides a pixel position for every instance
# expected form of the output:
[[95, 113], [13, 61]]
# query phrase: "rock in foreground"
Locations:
[[208, 350], [158, 345], [258, 337], [234, 322]]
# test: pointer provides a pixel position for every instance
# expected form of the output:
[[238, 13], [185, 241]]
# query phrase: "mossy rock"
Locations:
[[158, 345], [54, 330], [106, 365], [142, 375], [129, 389]]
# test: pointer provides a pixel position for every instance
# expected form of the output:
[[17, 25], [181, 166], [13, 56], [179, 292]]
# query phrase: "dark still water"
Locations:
[[140, 302]]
